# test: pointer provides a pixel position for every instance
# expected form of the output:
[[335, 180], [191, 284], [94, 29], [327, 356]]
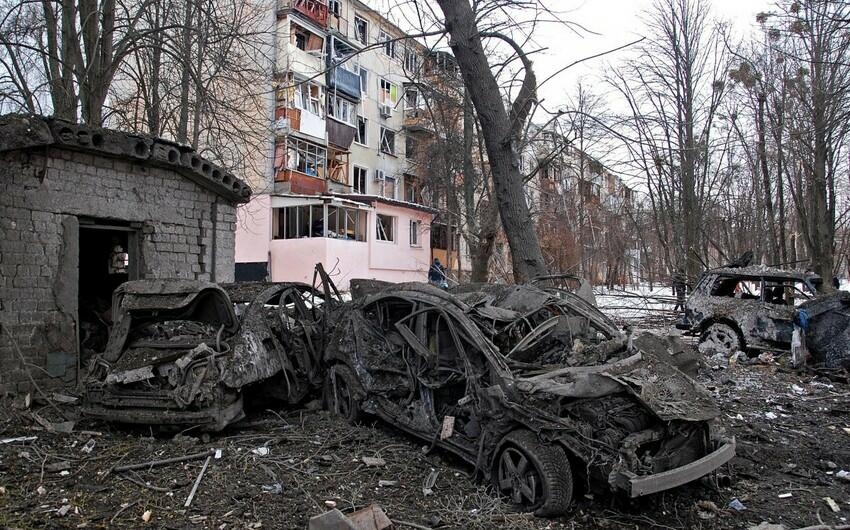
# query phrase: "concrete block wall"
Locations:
[[187, 232]]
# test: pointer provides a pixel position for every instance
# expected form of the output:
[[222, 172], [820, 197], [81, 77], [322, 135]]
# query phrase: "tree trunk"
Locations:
[[496, 126]]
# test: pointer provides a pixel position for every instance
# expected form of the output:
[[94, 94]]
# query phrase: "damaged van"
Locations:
[[186, 352], [541, 395]]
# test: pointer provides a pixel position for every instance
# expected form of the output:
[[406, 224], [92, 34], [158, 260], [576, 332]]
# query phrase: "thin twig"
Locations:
[[119, 512], [154, 463], [24, 363], [197, 483], [411, 525]]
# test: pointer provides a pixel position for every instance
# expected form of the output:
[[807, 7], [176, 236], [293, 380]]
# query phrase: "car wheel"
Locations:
[[721, 338], [340, 393], [536, 477]]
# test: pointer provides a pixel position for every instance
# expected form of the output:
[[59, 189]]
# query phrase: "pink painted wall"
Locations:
[[253, 230], [295, 259]]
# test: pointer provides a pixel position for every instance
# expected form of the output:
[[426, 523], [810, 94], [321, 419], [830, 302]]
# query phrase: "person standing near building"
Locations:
[[680, 289], [437, 275]]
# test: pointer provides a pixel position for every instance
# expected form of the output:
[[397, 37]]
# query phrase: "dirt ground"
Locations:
[[278, 468]]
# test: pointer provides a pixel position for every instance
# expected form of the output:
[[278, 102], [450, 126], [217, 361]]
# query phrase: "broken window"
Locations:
[[360, 136], [364, 81], [385, 225], [341, 109], [387, 141], [305, 157], [294, 222], [389, 43], [411, 59], [414, 233], [388, 93], [361, 30], [306, 40], [308, 97], [359, 179], [733, 287]]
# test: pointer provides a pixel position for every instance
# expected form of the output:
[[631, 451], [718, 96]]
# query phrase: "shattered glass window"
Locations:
[[385, 225]]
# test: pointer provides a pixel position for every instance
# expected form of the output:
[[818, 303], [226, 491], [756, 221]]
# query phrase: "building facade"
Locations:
[[83, 210], [343, 192]]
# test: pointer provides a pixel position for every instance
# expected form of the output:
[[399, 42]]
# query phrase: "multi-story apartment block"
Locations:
[[342, 193], [580, 208]]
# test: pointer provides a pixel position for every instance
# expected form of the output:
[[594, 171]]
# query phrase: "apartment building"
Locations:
[[342, 193], [580, 209]]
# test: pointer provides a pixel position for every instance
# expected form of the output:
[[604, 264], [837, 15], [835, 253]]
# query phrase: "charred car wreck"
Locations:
[[757, 307], [539, 393], [187, 352]]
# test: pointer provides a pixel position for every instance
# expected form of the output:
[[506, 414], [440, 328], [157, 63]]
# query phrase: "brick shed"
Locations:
[[84, 209]]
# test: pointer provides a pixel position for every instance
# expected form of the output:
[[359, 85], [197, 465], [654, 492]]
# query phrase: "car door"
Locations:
[[775, 320]]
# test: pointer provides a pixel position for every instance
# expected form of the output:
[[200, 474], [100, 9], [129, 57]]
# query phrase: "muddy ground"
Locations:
[[793, 433]]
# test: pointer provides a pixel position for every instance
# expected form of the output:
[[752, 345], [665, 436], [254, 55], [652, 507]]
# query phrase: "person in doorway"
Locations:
[[680, 289], [437, 275]]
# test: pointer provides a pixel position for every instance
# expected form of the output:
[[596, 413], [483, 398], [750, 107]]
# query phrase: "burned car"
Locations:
[[741, 308], [186, 352], [539, 394]]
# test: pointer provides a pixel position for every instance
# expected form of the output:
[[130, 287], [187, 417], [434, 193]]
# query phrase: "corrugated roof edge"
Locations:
[[25, 131]]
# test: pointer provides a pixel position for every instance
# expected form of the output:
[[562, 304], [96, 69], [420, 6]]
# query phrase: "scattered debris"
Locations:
[[430, 482], [737, 505], [770, 415], [165, 461], [832, 504], [330, 504], [146, 517], [784, 495], [387, 483], [58, 466], [843, 475], [197, 483], [261, 451], [373, 461], [768, 526], [274, 489], [63, 511], [18, 440], [371, 517], [89, 447]]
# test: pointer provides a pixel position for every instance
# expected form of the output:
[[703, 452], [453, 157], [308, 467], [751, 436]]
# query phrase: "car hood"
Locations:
[[660, 386]]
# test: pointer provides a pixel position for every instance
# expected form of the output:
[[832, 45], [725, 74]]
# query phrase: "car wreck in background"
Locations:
[[539, 393], [187, 352], [756, 308]]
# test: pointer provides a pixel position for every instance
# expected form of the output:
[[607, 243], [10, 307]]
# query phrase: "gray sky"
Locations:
[[616, 22]]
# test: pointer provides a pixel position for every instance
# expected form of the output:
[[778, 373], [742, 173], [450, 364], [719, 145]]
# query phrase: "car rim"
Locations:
[[722, 337], [518, 478]]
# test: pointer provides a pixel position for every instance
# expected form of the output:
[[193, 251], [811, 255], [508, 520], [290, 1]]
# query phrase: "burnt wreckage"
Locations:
[[538, 391], [186, 352], [757, 308]]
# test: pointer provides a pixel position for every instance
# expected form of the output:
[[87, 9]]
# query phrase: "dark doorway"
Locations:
[[108, 258]]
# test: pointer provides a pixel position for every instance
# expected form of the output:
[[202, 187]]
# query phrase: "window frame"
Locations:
[[364, 177], [335, 100], [364, 138], [389, 44], [388, 138], [365, 35], [414, 239], [379, 224]]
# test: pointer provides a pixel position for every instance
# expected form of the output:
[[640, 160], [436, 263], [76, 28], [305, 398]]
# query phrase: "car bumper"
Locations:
[[213, 418], [639, 485]]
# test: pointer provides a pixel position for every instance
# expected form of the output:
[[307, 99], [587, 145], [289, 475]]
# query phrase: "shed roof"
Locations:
[[25, 131]]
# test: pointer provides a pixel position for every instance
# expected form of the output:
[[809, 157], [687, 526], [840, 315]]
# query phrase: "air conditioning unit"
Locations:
[[379, 176], [386, 111]]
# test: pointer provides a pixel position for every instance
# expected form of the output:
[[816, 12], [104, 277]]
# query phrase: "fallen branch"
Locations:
[[123, 508], [154, 463], [145, 484], [197, 483]]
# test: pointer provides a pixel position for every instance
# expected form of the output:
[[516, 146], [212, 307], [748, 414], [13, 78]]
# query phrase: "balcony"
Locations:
[[315, 10], [340, 134], [345, 81], [300, 183]]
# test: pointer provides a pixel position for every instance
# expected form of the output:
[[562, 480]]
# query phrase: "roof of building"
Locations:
[[392, 202], [23, 131]]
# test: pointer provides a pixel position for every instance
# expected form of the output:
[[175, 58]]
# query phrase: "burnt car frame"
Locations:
[[747, 308], [187, 352], [535, 394]]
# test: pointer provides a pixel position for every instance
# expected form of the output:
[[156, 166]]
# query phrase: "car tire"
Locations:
[[724, 337], [340, 393], [535, 476]]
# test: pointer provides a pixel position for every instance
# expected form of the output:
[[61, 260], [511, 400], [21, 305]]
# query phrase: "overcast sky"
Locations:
[[616, 22]]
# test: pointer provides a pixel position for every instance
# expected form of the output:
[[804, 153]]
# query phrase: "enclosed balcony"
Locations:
[[345, 81], [315, 10]]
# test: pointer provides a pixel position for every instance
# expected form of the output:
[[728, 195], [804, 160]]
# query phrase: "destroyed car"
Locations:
[[747, 308], [186, 352], [539, 394]]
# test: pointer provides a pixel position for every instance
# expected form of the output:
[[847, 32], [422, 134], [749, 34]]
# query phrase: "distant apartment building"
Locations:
[[580, 209], [344, 192]]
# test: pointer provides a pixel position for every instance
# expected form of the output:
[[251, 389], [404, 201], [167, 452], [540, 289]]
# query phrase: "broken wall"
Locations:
[[184, 231]]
